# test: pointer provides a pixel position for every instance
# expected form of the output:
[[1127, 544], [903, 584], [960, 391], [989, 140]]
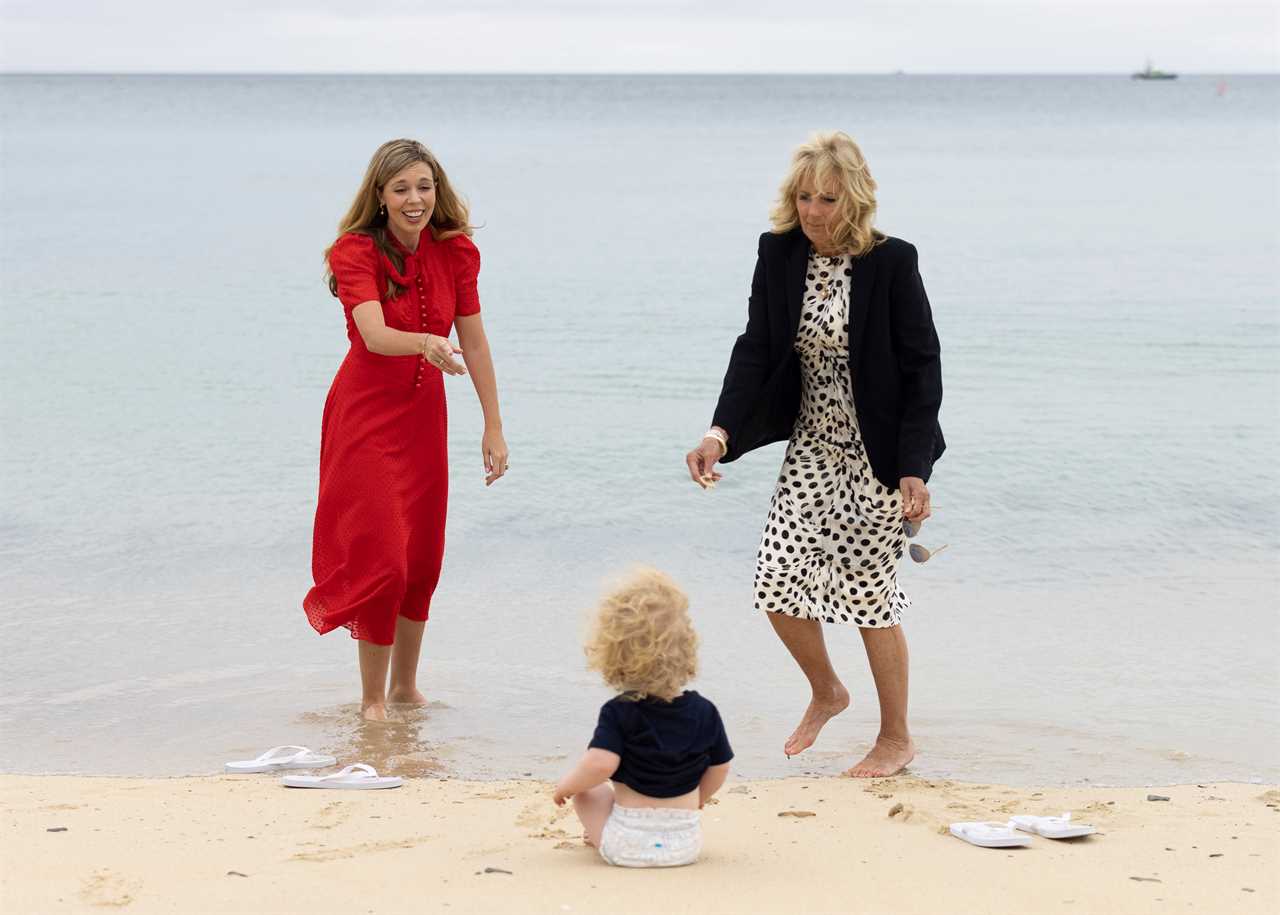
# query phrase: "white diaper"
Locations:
[[651, 836]]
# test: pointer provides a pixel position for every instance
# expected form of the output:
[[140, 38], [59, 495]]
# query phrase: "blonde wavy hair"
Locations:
[[642, 641], [832, 158], [449, 218]]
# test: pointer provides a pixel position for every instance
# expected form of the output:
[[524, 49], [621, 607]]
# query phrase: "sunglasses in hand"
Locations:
[[919, 553]]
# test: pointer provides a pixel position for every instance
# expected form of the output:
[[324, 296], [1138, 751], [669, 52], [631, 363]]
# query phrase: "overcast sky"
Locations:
[[427, 36]]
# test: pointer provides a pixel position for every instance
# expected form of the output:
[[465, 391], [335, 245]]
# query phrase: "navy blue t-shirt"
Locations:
[[665, 746]]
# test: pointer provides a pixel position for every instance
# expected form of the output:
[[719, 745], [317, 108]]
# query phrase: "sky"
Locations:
[[626, 36]]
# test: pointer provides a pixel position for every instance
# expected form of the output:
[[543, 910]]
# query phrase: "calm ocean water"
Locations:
[[1101, 259]]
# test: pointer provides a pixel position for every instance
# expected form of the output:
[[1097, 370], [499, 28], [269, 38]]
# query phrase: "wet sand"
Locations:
[[244, 844]]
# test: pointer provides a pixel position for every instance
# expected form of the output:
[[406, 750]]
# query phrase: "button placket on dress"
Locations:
[[422, 323]]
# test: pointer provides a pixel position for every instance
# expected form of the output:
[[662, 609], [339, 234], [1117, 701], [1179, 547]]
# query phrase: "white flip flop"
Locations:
[[990, 835], [1052, 827], [357, 777], [282, 758]]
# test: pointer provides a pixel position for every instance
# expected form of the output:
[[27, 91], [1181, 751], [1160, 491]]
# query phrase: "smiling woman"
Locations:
[[404, 269], [840, 357]]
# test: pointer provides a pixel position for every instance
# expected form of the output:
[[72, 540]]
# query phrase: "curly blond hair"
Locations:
[[833, 158], [642, 641]]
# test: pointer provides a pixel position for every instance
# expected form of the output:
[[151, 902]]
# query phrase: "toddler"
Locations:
[[663, 747]]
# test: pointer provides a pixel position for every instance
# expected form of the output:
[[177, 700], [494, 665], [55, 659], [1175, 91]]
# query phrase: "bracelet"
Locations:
[[721, 439]]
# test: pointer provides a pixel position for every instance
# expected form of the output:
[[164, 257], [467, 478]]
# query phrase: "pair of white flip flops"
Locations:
[[1016, 831], [358, 777]]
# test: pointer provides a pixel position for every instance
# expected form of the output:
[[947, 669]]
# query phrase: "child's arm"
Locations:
[[711, 782], [593, 769]]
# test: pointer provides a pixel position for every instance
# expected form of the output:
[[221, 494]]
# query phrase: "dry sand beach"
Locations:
[[244, 844]]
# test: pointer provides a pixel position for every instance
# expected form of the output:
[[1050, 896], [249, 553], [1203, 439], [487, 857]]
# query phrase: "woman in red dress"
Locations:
[[384, 463]]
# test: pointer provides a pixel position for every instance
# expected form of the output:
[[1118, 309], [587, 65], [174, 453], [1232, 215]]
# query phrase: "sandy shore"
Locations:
[[244, 844]]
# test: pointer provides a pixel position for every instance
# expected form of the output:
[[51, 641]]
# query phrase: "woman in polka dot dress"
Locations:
[[840, 358]]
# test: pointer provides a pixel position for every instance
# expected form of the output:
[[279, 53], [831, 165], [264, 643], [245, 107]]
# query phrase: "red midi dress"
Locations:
[[384, 462]]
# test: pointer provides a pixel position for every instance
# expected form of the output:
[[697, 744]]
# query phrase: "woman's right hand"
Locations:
[[702, 461], [439, 352]]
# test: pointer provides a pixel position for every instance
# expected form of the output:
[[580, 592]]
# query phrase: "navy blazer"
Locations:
[[894, 358]]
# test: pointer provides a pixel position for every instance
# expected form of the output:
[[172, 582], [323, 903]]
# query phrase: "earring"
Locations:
[[382, 209]]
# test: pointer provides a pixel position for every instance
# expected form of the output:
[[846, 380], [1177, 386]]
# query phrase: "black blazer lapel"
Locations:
[[797, 262], [861, 282]]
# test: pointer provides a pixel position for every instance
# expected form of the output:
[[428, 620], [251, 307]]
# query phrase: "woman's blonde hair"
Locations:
[[449, 218], [833, 158], [643, 641]]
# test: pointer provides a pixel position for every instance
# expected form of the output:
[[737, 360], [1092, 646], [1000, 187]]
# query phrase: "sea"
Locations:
[[1101, 257]]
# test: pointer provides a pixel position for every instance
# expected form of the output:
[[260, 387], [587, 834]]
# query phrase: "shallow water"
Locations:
[[1100, 259]]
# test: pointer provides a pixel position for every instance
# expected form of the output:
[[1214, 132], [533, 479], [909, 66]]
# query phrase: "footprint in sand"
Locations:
[[337, 854], [901, 812], [331, 815], [537, 814], [106, 888]]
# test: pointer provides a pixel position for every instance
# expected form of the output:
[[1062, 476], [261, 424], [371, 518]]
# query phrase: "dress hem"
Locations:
[[839, 622]]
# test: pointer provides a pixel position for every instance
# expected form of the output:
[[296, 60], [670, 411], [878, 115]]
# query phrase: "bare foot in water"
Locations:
[[374, 711], [819, 712], [406, 697], [888, 757]]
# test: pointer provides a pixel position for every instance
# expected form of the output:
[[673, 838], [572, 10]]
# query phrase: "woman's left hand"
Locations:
[[915, 499], [494, 448]]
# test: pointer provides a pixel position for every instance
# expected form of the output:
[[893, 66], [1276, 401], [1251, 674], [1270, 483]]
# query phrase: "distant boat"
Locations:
[[1152, 73]]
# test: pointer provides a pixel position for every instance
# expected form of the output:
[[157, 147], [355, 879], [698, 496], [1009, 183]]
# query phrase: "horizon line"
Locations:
[[624, 73]]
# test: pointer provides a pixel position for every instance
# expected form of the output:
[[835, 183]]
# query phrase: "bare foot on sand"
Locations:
[[406, 697], [820, 711], [888, 757], [374, 711]]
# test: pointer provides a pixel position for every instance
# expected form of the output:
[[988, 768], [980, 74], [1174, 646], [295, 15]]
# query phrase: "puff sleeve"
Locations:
[[354, 262], [466, 268]]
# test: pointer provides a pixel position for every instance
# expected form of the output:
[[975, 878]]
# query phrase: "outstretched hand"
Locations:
[[439, 351], [702, 461]]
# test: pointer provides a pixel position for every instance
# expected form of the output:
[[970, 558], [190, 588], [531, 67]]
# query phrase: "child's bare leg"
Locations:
[[593, 808]]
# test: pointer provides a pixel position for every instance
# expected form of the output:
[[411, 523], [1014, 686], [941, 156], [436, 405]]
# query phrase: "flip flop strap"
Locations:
[[272, 755]]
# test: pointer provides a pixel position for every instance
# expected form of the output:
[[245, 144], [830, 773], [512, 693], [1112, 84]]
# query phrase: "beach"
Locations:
[[245, 844]]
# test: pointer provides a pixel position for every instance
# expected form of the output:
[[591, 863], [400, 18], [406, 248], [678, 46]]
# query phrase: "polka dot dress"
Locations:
[[831, 545]]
